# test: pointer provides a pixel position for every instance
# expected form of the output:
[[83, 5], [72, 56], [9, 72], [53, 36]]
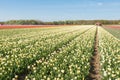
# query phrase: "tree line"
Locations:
[[66, 22]]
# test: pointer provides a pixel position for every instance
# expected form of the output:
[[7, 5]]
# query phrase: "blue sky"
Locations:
[[54, 10]]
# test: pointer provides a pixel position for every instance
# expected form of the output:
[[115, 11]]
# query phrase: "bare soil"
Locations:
[[94, 72]]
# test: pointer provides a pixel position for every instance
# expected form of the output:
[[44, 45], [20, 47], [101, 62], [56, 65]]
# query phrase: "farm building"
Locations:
[[98, 24]]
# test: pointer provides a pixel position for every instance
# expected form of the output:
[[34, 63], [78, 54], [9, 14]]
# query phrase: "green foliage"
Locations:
[[1, 23], [66, 22], [24, 22]]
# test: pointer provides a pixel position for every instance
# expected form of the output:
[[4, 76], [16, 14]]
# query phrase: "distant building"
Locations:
[[98, 24]]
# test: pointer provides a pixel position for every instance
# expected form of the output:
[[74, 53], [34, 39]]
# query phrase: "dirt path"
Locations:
[[94, 72]]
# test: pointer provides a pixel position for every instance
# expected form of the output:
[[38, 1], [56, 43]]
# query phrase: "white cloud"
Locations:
[[100, 4]]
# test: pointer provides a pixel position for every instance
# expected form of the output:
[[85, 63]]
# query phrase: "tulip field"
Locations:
[[114, 31], [57, 53], [110, 55]]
